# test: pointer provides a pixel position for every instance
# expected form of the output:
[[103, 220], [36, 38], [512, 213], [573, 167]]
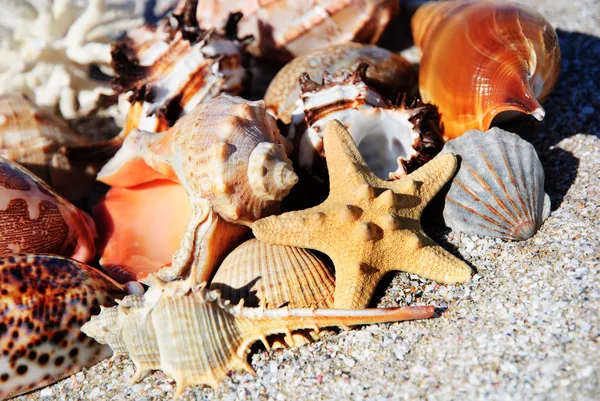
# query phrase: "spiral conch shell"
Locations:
[[484, 58], [34, 219], [197, 338]]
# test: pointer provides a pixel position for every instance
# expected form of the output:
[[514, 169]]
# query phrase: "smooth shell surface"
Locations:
[[499, 188], [484, 58], [45, 301], [388, 72], [197, 338], [34, 219]]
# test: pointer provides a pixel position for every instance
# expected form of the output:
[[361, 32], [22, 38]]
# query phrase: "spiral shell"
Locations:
[[197, 338], [34, 219], [483, 58], [388, 72], [499, 188], [45, 300]]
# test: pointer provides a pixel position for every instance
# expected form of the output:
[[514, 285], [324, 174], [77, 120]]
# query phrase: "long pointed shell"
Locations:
[[45, 300], [388, 72], [35, 219], [483, 58], [198, 339], [499, 188]]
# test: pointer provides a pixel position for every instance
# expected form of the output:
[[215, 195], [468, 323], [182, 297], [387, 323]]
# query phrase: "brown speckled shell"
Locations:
[[45, 301]]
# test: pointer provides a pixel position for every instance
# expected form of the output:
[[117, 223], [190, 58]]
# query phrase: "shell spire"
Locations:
[[270, 172]]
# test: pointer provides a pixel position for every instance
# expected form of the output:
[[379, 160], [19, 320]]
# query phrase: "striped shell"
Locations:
[[499, 188], [284, 29], [274, 276], [45, 301], [197, 338], [388, 72], [393, 140], [164, 71], [484, 58], [34, 219]]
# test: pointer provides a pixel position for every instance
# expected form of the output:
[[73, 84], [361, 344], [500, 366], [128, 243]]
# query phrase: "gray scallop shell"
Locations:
[[499, 188]]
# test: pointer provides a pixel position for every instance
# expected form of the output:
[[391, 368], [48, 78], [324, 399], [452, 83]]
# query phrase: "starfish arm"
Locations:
[[355, 284], [435, 263]]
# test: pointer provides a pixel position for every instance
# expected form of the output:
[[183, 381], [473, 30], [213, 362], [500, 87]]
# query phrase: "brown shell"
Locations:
[[34, 219], [388, 72], [45, 301], [483, 58]]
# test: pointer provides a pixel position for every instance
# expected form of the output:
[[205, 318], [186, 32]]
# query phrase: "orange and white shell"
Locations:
[[196, 338], [484, 58], [34, 219], [163, 72], [393, 140], [388, 72], [284, 29]]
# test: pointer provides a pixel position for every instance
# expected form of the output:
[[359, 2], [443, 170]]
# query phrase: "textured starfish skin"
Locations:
[[368, 226]]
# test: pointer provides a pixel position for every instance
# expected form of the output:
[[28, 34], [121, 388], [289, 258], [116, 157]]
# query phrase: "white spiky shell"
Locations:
[[499, 188]]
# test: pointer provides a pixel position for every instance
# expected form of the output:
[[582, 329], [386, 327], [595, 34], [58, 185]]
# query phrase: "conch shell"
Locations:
[[484, 58], [197, 338], [284, 29], [45, 300], [34, 219], [388, 72]]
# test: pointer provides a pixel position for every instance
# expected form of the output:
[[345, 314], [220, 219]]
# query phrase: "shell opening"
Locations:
[[270, 172]]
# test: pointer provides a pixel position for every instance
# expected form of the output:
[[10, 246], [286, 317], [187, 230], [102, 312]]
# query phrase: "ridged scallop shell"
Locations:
[[499, 188], [164, 71], [45, 301], [34, 219], [388, 72], [197, 338], [274, 276], [484, 58], [284, 29], [393, 140]]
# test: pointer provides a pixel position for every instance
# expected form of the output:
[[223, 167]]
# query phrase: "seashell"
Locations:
[[227, 154], [388, 72], [393, 140], [499, 188], [164, 71], [45, 300], [34, 219], [481, 59], [197, 338], [284, 29]]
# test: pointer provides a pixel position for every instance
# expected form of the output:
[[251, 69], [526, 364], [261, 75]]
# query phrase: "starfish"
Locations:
[[368, 226]]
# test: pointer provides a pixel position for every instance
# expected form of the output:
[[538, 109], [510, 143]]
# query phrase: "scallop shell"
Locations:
[[393, 140], [45, 300], [164, 71], [197, 338], [499, 188], [284, 29], [484, 58], [35, 219], [388, 72]]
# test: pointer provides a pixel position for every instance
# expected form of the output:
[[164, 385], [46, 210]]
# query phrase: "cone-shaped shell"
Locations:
[[274, 276], [34, 219], [499, 188], [483, 58], [197, 338], [45, 301], [388, 72]]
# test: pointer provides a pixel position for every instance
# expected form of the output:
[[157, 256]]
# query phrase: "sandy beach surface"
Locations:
[[526, 327]]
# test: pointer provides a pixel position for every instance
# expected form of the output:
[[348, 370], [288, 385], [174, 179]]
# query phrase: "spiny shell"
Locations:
[[499, 188], [388, 72], [284, 29], [34, 219], [274, 276], [483, 58], [196, 338], [165, 71], [393, 140], [45, 300]]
